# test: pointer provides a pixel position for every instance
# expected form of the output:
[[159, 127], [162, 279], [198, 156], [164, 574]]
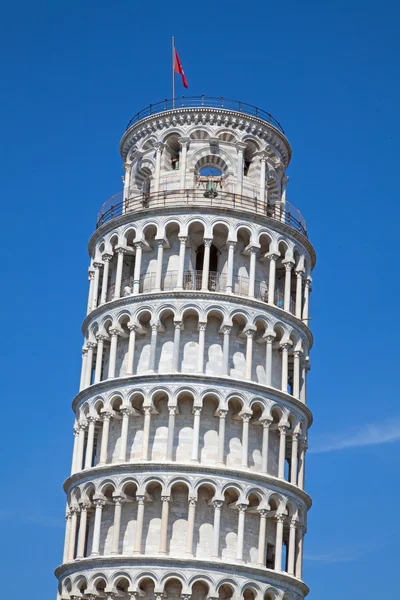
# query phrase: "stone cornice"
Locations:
[[214, 297], [273, 483], [274, 224], [209, 380], [184, 116], [176, 564]]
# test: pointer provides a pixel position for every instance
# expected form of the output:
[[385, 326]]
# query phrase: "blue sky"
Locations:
[[71, 76]]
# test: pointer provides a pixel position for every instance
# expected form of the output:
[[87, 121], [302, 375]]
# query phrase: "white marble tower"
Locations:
[[191, 421]]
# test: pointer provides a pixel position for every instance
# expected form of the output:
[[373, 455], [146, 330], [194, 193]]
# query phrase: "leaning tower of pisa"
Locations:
[[190, 434]]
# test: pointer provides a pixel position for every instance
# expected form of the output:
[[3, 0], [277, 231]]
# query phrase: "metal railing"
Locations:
[[193, 281], [208, 102], [116, 206]]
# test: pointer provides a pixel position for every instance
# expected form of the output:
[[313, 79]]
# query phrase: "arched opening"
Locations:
[[213, 258]]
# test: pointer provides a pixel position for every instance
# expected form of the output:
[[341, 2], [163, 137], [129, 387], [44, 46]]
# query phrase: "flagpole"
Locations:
[[173, 79]]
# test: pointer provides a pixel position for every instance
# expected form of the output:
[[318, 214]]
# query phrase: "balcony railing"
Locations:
[[193, 281], [167, 198], [208, 102]]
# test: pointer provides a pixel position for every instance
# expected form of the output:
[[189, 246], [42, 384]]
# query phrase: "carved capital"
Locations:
[[226, 329], [118, 500], [140, 499], [92, 345], [106, 257], [246, 418], [182, 239], [192, 501], [283, 429], [97, 265], [165, 498], [242, 508], [120, 250], [114, 331], [217, 504], [280, 518], [99, 503], [202, 326], [106, 416]]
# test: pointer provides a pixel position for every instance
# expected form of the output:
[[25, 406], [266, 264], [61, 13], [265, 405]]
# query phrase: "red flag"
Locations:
[[178, 69]]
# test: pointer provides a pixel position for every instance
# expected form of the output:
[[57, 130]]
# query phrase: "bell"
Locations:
[[211, 190]]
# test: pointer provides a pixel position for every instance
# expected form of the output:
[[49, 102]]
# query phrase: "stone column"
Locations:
[[240, 147], [299, 293], [72, 535], [279, 542], [240, 537], [90, 442], [160, 254], [153, 347], [299, 553], [75, 450], [249, 352], [96, 284], [89, 363], [118, 500], [181, 266], [294, 459], [99, 504], [82, 383], [262, 538], [288, 284], [245, 439], [139, 525], [252, 271], [302, 465], [146, 433], [196, 434], [282, 451], [202, 337], [216, 529], [67, 535], [113, 352], [126, 411], [226, 330], [306, 306], [99, 357], [263, 158], [164, 524], [171, 427], [206, 265], [82, 531], [268, 360], [177, 339], [190, 526], [271, 282], [292, 546], [265, 445], [118, 276], [221, 436], [229, 274], [138, 267], [81, 447], [159, 148], [127, 177], [106, 417], [104, 287], [285, 351], [296, 373], [305, 367], [90, 295], [184, 142], [131, 350]]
